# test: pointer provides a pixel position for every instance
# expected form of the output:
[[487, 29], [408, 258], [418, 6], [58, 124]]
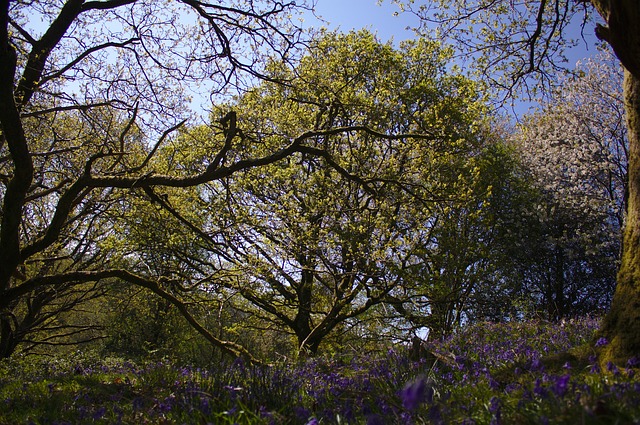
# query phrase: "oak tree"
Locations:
[[314, 242]]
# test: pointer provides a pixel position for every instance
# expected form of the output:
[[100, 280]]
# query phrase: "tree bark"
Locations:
[[621, 326]]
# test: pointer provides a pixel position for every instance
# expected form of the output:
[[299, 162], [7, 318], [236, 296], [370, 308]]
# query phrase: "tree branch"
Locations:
[[230, 348], [157, 145], [41, 50]]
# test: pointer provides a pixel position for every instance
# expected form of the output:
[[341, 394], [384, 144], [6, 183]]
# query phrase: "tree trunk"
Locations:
[[8, 341], [621, 326], [302, 322]]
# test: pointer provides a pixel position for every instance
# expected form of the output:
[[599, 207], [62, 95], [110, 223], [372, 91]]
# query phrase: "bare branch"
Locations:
[[104, 5], [84, 55], [22, 32], [42, 49], [82, 108]]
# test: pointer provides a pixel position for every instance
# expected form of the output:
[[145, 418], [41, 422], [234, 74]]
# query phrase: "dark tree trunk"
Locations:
[[622, 324], [302, 321], [8, 341]]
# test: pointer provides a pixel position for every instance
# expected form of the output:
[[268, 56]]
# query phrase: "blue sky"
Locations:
[[356, 14], [380, 19]]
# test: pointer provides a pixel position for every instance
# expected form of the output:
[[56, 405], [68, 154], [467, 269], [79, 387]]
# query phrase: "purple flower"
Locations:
[[313, 421], [538, 389], [536, 365], [561, 385], [415, 393], [494, 405], [601, 342], [137, 403], [511, 387], [493, 384], [301, 412], [167, 404], [435, 415], [205, 407], [594, 364]]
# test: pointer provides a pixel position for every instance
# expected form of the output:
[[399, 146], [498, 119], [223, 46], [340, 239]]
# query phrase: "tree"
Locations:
[[575, 149], [472, 268], [519, 39], [314, 242], [85, 104]]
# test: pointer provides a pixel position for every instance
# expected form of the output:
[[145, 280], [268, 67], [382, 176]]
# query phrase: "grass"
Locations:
[[513, 373]]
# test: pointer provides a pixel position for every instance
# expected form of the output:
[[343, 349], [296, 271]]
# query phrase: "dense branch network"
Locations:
[[95, 62], [77, 113]]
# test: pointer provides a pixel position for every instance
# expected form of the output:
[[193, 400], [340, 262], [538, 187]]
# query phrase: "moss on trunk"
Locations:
[[621, 326]]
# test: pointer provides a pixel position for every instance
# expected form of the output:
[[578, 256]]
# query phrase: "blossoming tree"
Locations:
[[575, 149], [510, 41]]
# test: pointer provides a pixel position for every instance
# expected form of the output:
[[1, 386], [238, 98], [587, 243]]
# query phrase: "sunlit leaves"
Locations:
[[313, 247], [96, 92]]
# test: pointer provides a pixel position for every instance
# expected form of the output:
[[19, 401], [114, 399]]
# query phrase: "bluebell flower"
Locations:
[[601, 342], [205, 407], [633, 362], [538, 389], [536, 365], [561, 385], [493, 384], [494, 405], [435, 415], [594, 364], [138, 403], [416, 392], [375, 420]]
